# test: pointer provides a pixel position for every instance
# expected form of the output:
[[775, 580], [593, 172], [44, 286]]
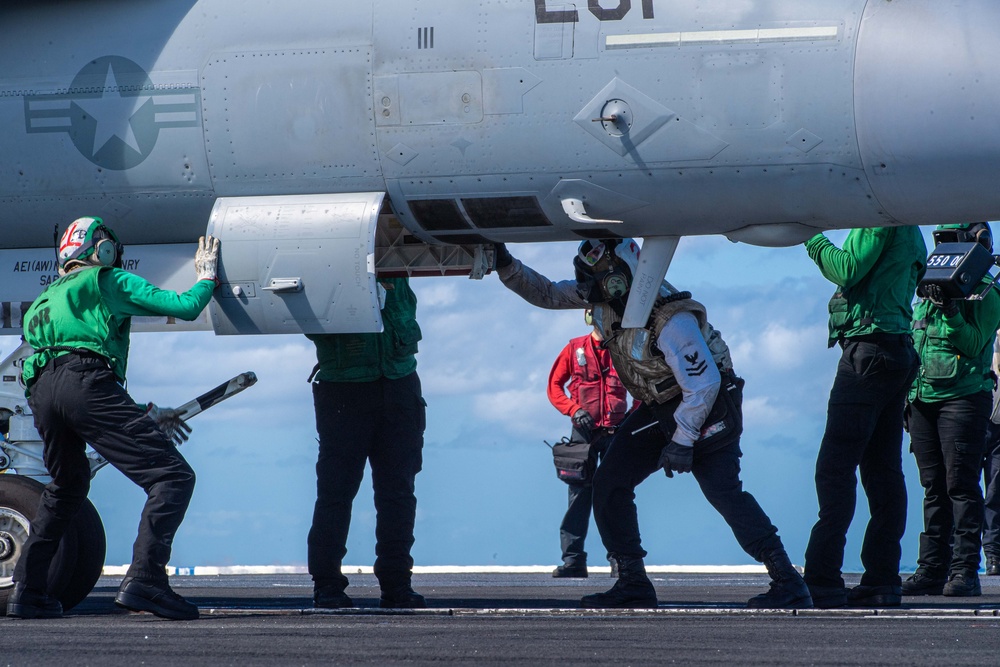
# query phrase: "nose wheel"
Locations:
[[80, 558]]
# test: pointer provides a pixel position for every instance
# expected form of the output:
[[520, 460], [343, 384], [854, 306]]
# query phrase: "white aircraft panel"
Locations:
[[297, 264]]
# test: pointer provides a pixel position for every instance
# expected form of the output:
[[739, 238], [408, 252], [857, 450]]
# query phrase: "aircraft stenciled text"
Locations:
[[28, 265], [545, 15], [48, 269]]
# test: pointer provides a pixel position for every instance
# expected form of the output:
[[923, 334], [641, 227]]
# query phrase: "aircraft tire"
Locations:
[[19, 497], [88, 532]]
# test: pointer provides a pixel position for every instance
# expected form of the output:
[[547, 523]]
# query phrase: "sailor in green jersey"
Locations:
[[79, 329], [876, 274], [369, 408], [950, 404]]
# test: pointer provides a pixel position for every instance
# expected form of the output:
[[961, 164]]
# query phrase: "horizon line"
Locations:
[[216, 570]]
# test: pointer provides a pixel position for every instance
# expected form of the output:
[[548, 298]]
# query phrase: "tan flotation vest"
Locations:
[[636, 357]]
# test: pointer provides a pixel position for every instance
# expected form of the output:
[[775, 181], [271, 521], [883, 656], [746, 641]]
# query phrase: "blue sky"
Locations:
[[488, 493]]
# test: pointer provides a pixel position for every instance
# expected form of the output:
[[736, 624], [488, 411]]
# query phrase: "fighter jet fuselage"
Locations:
[[764, 120]]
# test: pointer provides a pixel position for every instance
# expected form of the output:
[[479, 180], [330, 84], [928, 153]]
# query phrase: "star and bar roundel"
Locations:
[[112, 112]]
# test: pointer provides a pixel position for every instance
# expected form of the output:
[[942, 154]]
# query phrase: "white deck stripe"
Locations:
[[212, 570]]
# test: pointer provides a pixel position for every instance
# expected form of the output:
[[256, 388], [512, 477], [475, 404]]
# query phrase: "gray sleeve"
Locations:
[[538, 290], [688, 356]]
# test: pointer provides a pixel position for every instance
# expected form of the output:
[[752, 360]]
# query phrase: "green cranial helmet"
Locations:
[[966, 232]]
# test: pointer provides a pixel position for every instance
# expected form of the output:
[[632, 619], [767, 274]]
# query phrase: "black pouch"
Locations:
[[725, 420], [574, 461]]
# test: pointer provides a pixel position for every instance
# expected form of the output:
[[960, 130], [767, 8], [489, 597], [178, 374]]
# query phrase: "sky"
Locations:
[[488, 492]]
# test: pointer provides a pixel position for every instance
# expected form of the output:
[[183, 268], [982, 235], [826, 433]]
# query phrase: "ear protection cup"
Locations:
[[616, 284], [106, 252]]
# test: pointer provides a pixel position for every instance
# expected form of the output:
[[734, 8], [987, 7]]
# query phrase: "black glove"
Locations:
[[583, 422], [676, 458], [169, 422], [501, 256], [936, 296]]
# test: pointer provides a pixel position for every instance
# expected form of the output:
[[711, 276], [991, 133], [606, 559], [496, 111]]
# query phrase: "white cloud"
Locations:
[[780, 347], [759, 413], [524, 412], [438, 294]]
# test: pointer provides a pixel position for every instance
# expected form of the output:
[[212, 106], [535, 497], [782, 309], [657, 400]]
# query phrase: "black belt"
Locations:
[[74, 356], [878, 338]]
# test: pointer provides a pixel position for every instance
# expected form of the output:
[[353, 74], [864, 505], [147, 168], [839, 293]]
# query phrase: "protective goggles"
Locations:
[[593, 255]]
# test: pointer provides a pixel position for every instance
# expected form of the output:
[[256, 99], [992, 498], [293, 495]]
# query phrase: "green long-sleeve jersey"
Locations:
[[92, 309], [876, 273]]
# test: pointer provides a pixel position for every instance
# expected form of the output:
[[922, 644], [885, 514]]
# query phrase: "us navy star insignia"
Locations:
[[113, 112]]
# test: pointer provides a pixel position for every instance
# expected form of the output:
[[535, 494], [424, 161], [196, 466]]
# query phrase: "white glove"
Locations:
[[206, 260], [169, 422]]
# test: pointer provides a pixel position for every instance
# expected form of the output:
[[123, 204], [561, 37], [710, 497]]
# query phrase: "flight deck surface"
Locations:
[[518, 619]]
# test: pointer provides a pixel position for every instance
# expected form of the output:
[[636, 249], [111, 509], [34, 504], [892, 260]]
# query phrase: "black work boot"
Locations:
[[632, 590], [331, 596], [875, 596], [920, 583], [963, 584], [787, 591], [401, 596], [575, 571], [26, 602], [155, 597], [992, 566], [828, 597]]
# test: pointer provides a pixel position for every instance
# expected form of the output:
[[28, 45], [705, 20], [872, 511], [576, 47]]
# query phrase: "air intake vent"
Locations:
[[499, 212]]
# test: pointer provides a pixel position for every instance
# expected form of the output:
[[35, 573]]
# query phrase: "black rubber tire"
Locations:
[[88, 532], [68, 575]]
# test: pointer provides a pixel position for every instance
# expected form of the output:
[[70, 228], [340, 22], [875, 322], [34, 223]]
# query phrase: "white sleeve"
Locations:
[[688, 356]]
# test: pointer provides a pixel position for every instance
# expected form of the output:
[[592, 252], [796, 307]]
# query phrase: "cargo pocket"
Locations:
[[839, 311]]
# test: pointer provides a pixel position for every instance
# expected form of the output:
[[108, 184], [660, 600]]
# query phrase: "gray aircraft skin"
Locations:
[[300, 131], [506, 120], [764, 120]]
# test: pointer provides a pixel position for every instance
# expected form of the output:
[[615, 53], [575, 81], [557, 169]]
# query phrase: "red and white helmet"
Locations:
[[88, 240]]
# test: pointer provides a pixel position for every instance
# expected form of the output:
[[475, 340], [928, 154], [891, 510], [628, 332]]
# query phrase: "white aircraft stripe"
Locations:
[[174, 98], [175, 117], [59, 121], [61, 104], [753, 36]]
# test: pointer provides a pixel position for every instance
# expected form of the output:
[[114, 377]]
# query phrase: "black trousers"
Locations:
[[991, 480], [948, 439], [77, 402], [864, 429], [633, 458], [576, 522], [381, 422]]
